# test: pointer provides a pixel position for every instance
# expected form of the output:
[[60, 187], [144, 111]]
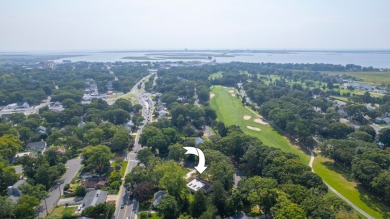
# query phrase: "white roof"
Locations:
[[23, 154], [195, 185]]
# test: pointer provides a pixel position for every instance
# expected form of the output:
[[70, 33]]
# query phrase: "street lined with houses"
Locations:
[[126, 207]]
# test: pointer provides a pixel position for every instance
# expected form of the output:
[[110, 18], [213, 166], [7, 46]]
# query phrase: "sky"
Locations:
[[90, 25]]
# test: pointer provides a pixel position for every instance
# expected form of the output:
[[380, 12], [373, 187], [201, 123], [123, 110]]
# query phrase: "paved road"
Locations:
[[337, 193], [74, 166], [130, 208]]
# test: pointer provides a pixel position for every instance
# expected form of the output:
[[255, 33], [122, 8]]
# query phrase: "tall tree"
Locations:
[[97, 158], [168, 207], [199, 204]]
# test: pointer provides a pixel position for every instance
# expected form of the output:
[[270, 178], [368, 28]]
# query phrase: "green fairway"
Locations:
[[216, 75], [334, 176], [231, 111]]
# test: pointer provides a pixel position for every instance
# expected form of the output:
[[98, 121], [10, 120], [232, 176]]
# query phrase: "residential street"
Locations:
[[73, 167], [130, 207]]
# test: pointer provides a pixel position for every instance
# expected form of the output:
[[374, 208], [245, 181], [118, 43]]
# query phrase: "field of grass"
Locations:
[[376, 77], [215, 75], [231, 111], [342, 182]]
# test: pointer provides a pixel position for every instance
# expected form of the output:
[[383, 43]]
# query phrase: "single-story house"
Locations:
[[129, 125], [19, 155], [370, 107], [197, 184], [94, 197], [157, 197], [198, 141], [382, 120], [23, 105], [96, 183], [12, 106], [81, 124], [162, 114], [41, 130], [13, 192], [39, 146], [342, 113]]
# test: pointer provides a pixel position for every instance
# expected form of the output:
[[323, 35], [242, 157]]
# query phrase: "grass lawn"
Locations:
[[59, 211], [152, 216], [123, 168], [216, 75], [345, 99], [340, 181], [231, 111]]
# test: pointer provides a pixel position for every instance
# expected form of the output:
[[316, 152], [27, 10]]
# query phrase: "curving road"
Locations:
[[337, 193]]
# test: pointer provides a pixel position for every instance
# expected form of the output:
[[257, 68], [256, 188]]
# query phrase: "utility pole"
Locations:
[[47, 213]]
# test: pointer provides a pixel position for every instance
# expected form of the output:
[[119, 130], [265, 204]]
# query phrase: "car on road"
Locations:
[[122, 205]]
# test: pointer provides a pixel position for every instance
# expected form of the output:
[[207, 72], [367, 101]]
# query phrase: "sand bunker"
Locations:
[[247, 117], [211, 96], [260, 121], [253, 128], [233, 95], [231, 91]]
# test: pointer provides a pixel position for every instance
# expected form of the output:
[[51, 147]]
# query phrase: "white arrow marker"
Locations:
[[195, 151]]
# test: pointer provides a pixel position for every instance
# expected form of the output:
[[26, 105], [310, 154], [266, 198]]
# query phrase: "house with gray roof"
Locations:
[[13, 192], [157, 197], [94, 197], [39, 146]]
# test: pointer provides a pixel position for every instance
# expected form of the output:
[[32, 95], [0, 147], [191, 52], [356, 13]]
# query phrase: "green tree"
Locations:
[[365, 170], [38, 191], [145, 155], [384, 136], [97, 158], [199, 205], [317, 207], [123, 104], [25, 207], [368, 129], [6, 207], [80, 191], [361, 136], [381, 185], [176, 152], [339, 130], [234, 204], [219, 197], [171, 177], [8, 177], [9, 146], [137, 175], [100, 211], [120, 141], [168, 207]]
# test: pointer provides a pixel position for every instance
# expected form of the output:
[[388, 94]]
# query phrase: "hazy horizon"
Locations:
[[100, 25]]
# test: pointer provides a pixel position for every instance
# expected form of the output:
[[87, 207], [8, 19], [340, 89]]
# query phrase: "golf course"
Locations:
[[230, 110]]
